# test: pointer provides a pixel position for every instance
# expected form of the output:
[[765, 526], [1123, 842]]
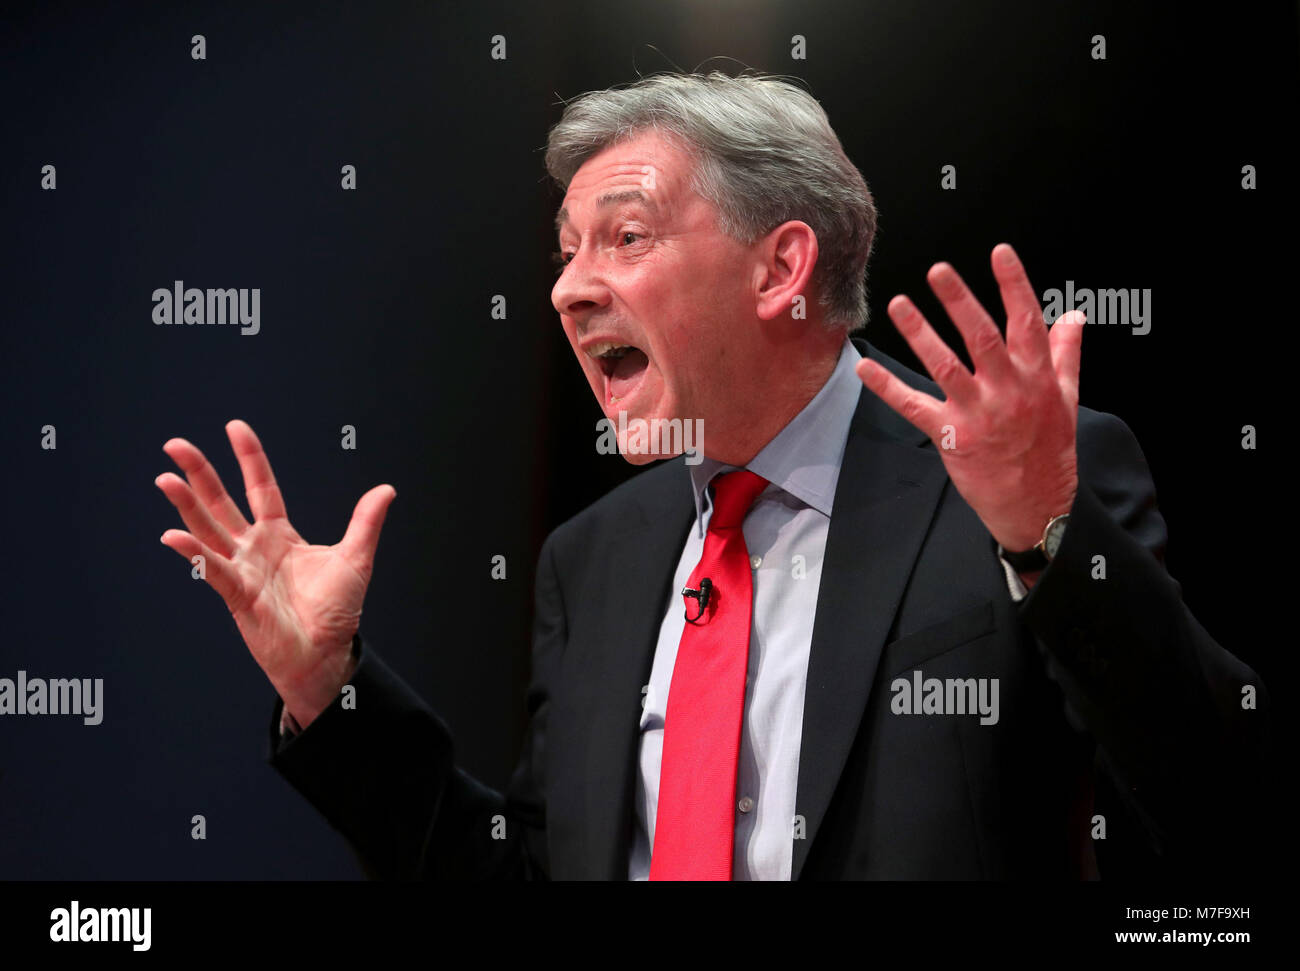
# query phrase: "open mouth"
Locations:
[[624, 367]]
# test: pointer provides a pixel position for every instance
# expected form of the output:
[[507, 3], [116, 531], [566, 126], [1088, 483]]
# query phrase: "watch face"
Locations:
[[1055, 532]]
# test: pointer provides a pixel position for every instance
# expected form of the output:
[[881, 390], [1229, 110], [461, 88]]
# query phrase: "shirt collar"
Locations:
[[804, 458]]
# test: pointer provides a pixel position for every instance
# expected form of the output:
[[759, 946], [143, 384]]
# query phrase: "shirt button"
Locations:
[[755, 561], [745, 804]]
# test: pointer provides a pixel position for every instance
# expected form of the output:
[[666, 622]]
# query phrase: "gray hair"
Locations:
[[764, 153]]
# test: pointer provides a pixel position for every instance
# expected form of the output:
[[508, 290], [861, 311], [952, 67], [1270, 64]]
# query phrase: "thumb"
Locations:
[[1065, 339], [359, 543]]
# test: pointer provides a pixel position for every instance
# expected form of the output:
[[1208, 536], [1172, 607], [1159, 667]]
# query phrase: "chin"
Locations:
[[646, 436]]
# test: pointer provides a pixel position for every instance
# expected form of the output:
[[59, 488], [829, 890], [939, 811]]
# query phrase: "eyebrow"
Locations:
[[609, 199]]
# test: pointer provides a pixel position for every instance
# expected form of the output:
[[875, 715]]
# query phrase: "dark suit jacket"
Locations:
[[1114, 701]]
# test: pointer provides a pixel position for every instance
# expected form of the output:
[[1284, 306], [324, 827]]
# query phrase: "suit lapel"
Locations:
[[633, 605], [885, 498]]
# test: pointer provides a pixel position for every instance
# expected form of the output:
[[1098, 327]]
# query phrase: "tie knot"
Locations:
[[733, 494]]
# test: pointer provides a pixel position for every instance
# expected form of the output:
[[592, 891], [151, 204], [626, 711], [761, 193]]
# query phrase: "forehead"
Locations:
[[647, 168]]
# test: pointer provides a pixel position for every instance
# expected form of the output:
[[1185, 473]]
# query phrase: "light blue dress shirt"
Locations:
[[785, 533]]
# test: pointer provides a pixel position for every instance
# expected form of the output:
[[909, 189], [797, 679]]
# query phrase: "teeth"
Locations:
[[608, 349]]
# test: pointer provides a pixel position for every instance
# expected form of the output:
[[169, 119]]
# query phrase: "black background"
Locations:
[[1121, 173]]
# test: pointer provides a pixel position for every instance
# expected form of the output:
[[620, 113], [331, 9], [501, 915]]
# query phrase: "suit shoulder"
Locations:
[[1104, 438], [899, 370], [647, 494]]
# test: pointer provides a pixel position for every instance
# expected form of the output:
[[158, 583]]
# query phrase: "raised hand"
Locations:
[[297, 605], [1006, 433]]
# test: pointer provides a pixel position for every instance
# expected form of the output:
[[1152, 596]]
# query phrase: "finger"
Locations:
[[987, 351], [917, 407], [1066, 337], [206, 484], [362, 538], [195, 514], [219, 572], [1026, 334], [944, 366], [264, 497]]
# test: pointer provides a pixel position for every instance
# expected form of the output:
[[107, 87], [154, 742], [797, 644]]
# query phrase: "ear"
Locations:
[[786, 258]]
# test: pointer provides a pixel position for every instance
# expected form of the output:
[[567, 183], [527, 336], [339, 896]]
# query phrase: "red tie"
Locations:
[[695, 826]]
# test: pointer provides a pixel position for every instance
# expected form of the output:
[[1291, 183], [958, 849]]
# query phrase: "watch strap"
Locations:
[[1031, 560], [1035, 558]]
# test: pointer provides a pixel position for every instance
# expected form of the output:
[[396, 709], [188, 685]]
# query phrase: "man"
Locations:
[[887, 627]]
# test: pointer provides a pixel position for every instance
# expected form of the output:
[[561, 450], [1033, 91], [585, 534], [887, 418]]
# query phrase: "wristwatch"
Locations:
[[1041, 553]]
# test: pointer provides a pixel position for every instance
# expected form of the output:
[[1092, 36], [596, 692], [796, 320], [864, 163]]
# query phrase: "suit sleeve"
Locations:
[[1180, 724], [383, 773]]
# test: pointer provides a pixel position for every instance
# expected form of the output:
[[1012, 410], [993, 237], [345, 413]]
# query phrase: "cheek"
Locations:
[[691, 331], [684, 371]]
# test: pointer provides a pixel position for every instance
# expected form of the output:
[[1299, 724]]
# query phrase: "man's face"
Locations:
[[654, 298]]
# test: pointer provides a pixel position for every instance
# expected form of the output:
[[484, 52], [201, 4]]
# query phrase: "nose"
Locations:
[[580, 288]]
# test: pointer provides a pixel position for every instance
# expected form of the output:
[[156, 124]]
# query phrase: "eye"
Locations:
[[635, 236], [560, 260]]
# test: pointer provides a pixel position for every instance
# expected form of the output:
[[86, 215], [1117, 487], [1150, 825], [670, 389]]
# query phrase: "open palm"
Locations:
[[296, 604], [1007, 432]]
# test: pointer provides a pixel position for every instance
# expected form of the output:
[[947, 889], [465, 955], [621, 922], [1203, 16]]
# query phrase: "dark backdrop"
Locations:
[[376, 312]]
